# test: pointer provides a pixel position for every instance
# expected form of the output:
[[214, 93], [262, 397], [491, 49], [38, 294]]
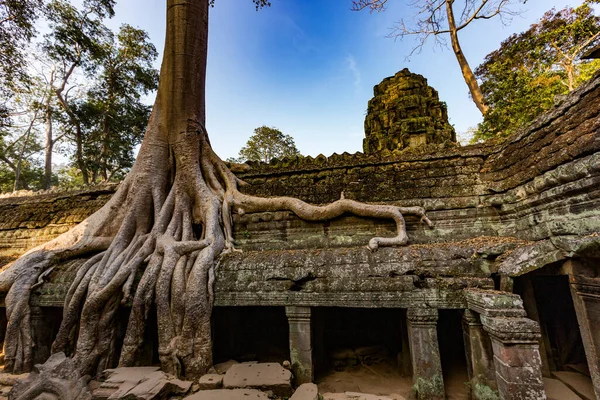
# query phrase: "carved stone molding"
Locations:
[[511, 330]]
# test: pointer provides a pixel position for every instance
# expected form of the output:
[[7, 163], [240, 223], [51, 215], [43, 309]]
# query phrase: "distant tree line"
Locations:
[[76, 90]]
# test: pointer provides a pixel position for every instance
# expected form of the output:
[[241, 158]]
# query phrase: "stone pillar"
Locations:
[[480, 358], [41, 327], [516, 357], [586, 299], [300, 343], [428, 382]]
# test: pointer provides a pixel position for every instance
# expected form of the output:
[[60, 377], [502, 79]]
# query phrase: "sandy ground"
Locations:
[[385, 379]]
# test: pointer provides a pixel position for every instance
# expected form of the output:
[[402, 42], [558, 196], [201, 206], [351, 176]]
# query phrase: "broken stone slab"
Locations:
[[118, 381], [306, 391], [360, 396], [228, 394], [223, 367], [139, 383], [263, 376], [158, 386], [210, 381]]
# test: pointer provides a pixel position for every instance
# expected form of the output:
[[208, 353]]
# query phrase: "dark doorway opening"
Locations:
[[361, 350], [452, 353], [557, 318], [250, 334]]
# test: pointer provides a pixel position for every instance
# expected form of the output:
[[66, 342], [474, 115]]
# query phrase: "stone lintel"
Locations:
[[512, 330], [422, 316], [492, 303], [584, 286]]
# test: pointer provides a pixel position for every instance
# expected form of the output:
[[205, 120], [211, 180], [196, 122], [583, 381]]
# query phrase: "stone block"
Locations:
[[223, 367], [228, 394], [210, 381], [157, 386], [306, 391], [265, 376]]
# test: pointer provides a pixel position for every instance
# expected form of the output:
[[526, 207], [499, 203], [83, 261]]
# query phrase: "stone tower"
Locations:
[[405, 112]]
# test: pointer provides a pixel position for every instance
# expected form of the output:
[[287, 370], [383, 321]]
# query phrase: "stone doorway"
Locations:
[[361, 350], [452, 354], [250, 334], [558, 321]]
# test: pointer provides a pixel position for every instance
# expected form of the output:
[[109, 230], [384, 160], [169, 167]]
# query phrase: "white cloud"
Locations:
[[351, 64]]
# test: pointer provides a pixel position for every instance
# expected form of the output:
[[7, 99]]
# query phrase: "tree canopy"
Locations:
[[267, 143], [78, 91], [525, 75]]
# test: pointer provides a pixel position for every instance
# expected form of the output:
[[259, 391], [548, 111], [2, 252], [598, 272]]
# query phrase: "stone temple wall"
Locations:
[[502, 211]]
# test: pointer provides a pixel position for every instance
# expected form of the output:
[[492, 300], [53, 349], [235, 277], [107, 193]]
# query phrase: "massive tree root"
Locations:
[[147, 230]]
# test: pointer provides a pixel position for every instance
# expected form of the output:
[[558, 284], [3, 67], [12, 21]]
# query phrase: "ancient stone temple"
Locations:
[[405, 112], [503, 292]]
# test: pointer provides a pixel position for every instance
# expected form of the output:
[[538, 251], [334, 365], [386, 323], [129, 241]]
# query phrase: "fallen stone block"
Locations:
[[306, 391], [118, 381], [228, 394], [223, 367], [359, 396], [266, 376], [158, 386], [139, 383], [210, 381]]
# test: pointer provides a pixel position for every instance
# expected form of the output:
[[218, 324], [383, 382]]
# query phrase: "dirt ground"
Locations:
[[385, 379]]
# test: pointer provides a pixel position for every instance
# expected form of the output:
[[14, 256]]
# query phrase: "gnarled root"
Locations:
[[168, 231]]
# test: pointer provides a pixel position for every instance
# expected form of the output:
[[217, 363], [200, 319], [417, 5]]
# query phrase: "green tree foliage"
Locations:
[[267, 143], [113, 116], [17, 19], [525, 75]]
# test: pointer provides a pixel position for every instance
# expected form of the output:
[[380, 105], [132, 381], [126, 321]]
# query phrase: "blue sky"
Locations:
[[308, 67]]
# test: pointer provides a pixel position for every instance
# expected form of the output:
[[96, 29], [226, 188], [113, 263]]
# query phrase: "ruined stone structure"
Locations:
[[405, 112], [507, 281]]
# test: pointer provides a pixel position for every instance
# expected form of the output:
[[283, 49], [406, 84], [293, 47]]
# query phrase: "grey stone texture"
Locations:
[[428, 380], [300, 343], [306, 391], [263, 376]]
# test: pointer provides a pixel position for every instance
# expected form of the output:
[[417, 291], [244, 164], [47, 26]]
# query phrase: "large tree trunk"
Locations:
[[465, 68], [145, 233]]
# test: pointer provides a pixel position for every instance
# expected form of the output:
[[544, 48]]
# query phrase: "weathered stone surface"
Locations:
[[10, 379], [359, 396], [139, 383], [56, 379], [119, 381], [223, 367], [556, 390], [580, 384], [306, 391], [210, 381], [405, 112], [263, 376], [228, 394]]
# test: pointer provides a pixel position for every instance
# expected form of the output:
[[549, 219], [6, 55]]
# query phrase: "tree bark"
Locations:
[[470, 79], [48, 149]]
